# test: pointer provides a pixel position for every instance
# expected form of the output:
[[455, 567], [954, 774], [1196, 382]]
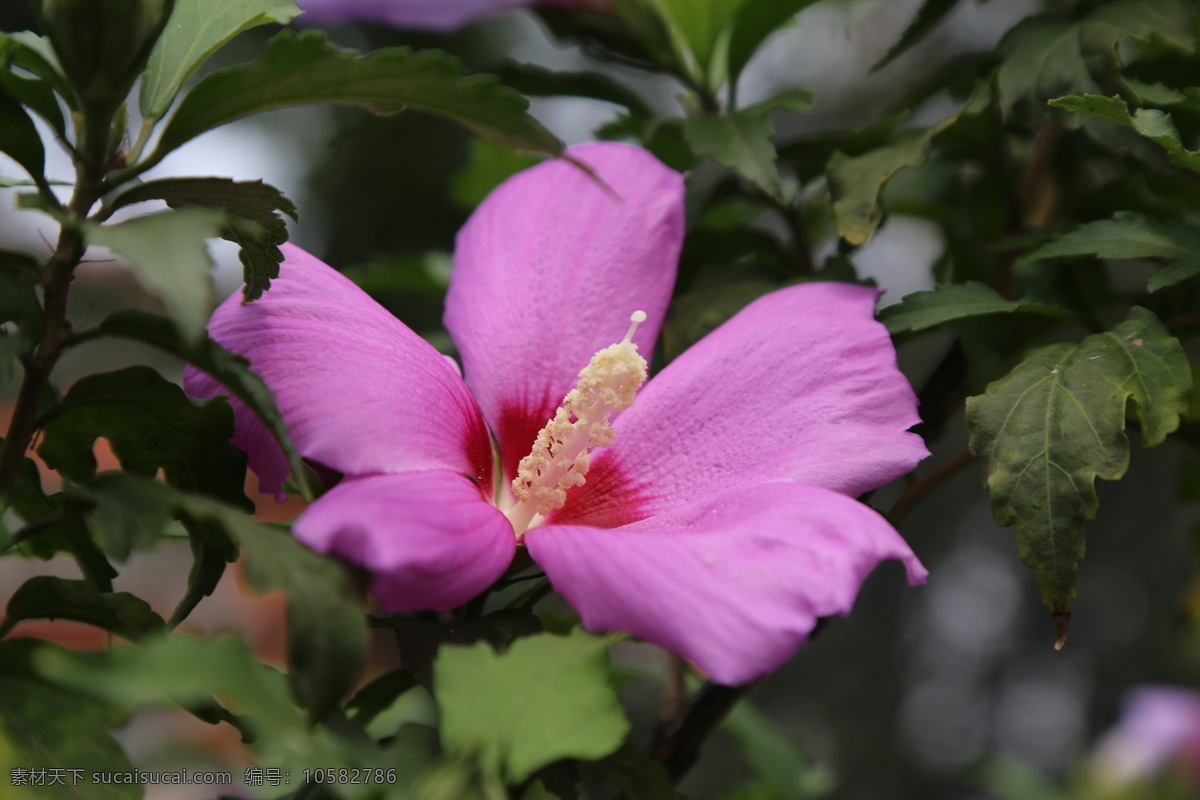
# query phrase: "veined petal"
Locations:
[[734, 584], [548, 270], [429, 539], [360, 392], [800, 385]]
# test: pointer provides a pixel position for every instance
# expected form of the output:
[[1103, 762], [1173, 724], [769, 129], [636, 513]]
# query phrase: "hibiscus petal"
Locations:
[[429, 539], [414, 14], [547, 272], [734, 584], [360, 392], [800, 385]]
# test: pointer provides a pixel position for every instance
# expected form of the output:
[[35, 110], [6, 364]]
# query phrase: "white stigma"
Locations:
[[560, 455]]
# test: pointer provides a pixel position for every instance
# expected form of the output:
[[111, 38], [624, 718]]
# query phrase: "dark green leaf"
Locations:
[[856, 183], [151, 424], [128, 514], [516, 716], [231, 370], [1175, 273], [45, 597], [18, 136], [33, 93], [753, 23], [537, 81], [743, 141], [953, 301], [212, 548], [252, 213], [1056, 423], [418, 641], [773, 760], [1155, 125], [380, 693], [35, 54], [488, 165], [196, 30], [168, 253], [927, 18], [303, 69], [45, 725], [1126, 235], [634, 774], [696, 27]]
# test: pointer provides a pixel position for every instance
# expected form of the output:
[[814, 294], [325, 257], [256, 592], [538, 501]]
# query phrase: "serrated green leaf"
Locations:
[[488, 165], [856, 183], [303, 69], [47, 726], [253, 212], [953, 301], [1155, 125], [926, 19], [516, 716], [168, 253], [231, 370], [1172, 274], [45, 597], [754, 22], [743, 141], [1046, 431], [196, 30], [1126, 235], [150, 424]]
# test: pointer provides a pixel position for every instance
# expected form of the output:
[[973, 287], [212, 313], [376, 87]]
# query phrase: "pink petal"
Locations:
[[735, 583], [429, 539], [414, 14], [360, 392], [800, 385], [547, 272]]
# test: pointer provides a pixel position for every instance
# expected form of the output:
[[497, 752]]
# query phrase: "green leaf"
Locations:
[[537, 81], [231, 370], [953, 301], [517, 716], [34, 93], [212, 548], [856, 183], [754, 22], [927, 18], [44, 597], [35, 54], [631, 771], [488, 165], [18, 136], [167, 252], [253, 220], [700, 29], [128, 514], [418, 640], [1126, 235], [773, 760], [196, 30], [1155, 125], [743, 141], [151, 424], [1178, 272], [302, 70], [18, 304], [380, 693], [1054, 424], [45, 725]]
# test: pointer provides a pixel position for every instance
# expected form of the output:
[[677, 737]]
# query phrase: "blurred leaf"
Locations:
[[701, 28], [231, 370], [196, 30], [417, 275], [1045, 57], [754, 21], [46, 726], [927, 18], [631, 771], [18, 136], [488, 165], [538, 81], [380, 693], [856, 183], [1126, 235], [952, 301], [45, 597], [35, 54], [516, 716], [128, 514], [1151, 123], [168, 253], [253, 220], [212, 548], [151, 424], [18, 304], [1175, 273], [34, 93], [773, 760], [418, 640], [1056, 423], [742, 141], [302, 69]]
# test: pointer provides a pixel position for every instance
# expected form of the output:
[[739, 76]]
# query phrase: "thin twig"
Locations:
[[679, 751], [916, 491]]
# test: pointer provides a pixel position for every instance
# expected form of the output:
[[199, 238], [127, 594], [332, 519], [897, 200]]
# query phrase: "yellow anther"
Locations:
[[560, 457]]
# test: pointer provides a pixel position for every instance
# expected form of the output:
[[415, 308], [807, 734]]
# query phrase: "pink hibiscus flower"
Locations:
[[720, 522], [440, 15]]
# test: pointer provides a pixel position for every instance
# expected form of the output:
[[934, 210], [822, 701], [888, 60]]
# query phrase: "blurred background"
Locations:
[[947, 692]]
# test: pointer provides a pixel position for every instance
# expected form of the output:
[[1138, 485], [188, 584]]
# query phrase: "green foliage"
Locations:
[[303, 70], [927, 18], [488, 165], [1155, 125], [754, 21], [1056, 423], [167, 251], [44, 597], [634, 774], [954, 301], [151, 424], [515, 715], [18, 136], [777, 764], [197, 29]]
